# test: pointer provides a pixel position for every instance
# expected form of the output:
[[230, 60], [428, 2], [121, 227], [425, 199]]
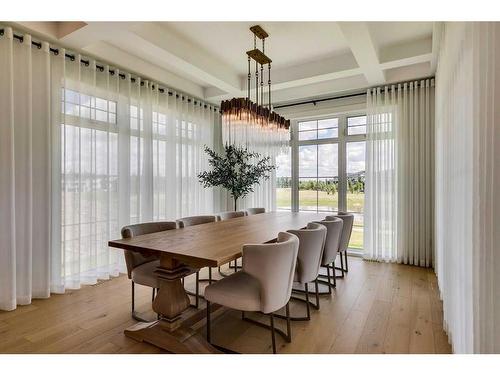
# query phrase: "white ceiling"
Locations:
[[208, 60]]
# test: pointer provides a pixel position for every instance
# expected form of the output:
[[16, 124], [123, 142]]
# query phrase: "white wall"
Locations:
[[467, 185]]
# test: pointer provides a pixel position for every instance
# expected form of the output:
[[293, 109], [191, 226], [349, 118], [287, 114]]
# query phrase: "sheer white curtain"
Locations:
[[83, 152], [467, 185], [267, 143], [399, 174], [25, 179]]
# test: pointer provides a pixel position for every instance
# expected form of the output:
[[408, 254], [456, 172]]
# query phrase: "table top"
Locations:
[[215, 244]]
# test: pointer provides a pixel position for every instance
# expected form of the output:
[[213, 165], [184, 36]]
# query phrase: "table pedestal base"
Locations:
[[180, 341]]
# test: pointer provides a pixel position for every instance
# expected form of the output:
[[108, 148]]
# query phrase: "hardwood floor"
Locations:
[[377, 308]]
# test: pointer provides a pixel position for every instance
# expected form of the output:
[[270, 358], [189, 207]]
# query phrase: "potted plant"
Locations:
[[236, 170]]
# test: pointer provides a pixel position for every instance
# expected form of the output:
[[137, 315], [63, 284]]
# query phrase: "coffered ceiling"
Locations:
[[208, 60]]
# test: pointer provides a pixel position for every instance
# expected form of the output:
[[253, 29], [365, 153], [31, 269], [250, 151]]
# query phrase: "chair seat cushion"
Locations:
[[238, 291], [144, 274]]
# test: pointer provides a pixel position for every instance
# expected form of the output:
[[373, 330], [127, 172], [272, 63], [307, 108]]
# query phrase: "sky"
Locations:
[[326, 156]]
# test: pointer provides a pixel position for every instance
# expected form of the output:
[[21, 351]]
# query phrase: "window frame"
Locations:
[[342, 140]]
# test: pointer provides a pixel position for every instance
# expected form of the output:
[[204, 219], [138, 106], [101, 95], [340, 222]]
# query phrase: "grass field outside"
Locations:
[[310, 200]]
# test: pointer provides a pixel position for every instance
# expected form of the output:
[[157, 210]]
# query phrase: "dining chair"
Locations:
[[348, 220], [228, 216], [311, 243], [264, 285], [331, 250], [141, 268], [188, 222], [255, 211]]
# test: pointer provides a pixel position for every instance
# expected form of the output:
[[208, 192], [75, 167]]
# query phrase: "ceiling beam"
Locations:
[[404, 54], [176, 52], [437, 31], [358, 37]]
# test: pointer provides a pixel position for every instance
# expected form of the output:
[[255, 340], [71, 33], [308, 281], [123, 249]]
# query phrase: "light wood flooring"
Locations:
[[376, 308]]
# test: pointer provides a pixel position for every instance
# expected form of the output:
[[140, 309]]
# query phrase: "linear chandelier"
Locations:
[[242, 116]]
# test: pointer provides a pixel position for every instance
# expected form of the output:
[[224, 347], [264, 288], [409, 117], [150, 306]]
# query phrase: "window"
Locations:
[[356, 189], [318, 177], [284, 180], [88, 107], [322, 129], [356, 125], [329, 168]]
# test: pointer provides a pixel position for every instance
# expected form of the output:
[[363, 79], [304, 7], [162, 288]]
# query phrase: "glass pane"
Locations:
[[85, 112], [308, 125], [308, 135], [85, 100], [72, 109], [356, 125], [308, 195], [328, 123], [328, 133], [308, 157], [72, 97], [328, 196], [328, 177], [112, 107], [356, 189], [101, 104], [284, 180], [101, 116]]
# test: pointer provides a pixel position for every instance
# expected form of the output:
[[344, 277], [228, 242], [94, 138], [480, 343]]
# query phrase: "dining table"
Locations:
[[183, 251]]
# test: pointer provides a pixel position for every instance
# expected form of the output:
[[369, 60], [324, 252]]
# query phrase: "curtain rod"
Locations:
[[55, 51], [314, 101]]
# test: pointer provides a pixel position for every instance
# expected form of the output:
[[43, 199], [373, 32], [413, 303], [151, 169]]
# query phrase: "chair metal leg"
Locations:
[[208, 323], [197, 289], [298, 318], [317, 293], [346, 266], [273, 337], [288, 327], [341, 264], [329, 278], [153, 297], [134, 315], [133, 298], [307, 301]]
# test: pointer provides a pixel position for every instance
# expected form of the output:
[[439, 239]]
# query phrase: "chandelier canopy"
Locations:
[[242, 118]]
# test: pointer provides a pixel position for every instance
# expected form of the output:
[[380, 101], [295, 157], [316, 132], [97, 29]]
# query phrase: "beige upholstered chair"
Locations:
[[255, 211], [140, 268], [188, 222], [195, 220], [264, 284], [312, 240], [348, 220], [331, 249], [230, 215]]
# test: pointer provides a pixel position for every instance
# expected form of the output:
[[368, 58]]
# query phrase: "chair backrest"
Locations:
[[312, 241], [332, 241], [230, 215], [273, 265], [255, 211], [133, 258], [196, 220], [348, 220]]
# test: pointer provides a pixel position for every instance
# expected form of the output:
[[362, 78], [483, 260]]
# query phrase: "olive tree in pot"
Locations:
[[236, 170]]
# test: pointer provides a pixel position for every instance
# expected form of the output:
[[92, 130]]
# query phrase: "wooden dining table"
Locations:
[[183, 251]]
